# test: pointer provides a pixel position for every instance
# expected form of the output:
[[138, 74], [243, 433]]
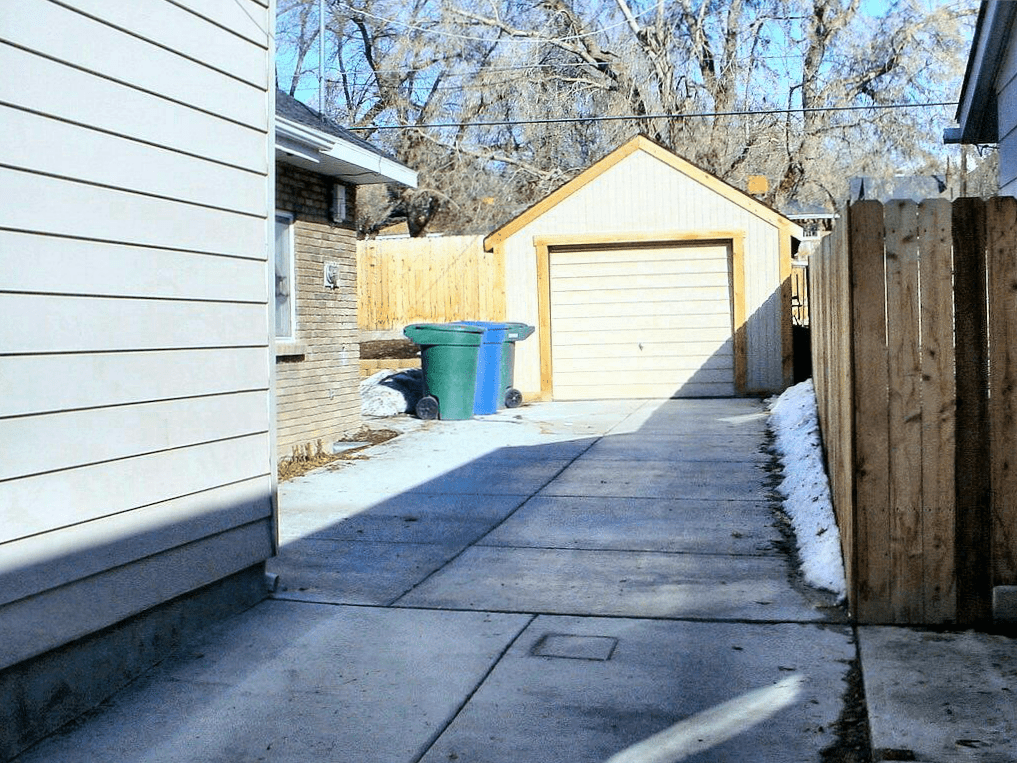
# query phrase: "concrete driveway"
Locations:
[[565, 581]]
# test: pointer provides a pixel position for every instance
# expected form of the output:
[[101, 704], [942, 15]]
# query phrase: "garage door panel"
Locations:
[[666, 335], [644, 309], [631, 366], [714, 298], [636, 254], [596, 317], [641, 322], [687, 348], [663, 340], [647, 376], [686, 268], [640, 281], [710, 384]]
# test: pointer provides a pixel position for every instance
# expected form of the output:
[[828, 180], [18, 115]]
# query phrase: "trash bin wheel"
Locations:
[[513, 398], [427, 408]]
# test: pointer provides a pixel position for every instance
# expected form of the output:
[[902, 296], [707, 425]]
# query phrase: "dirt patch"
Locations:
[[853, 743], [387, 349], [310, 457], [823, 601]]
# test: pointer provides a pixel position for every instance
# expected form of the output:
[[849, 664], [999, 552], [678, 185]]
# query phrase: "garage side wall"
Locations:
[[318, 373], [641, 195]]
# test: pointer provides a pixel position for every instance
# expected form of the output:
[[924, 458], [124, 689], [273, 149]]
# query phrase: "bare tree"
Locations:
[[726, 67]]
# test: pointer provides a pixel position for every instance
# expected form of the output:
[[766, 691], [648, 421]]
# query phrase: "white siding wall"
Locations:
[[1006, 98], [135, 455], [642, 194]]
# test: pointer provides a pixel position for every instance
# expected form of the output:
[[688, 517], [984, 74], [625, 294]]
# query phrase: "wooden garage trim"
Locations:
[[736, 245], [786, 335], [643, 143]]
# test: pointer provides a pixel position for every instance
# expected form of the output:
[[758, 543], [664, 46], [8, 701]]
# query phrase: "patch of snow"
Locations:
[[805, 488], [390, 393]]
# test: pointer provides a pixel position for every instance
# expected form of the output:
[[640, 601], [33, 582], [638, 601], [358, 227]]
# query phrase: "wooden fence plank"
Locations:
[[871, 461], [971, 465], [904, 410], [844, 391], [939, 401], [1001, 229]]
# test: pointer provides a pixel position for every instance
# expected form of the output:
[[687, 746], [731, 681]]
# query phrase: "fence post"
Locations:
[[973, 494]]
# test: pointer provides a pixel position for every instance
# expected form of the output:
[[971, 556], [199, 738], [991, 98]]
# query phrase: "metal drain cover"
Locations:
[[573, 647]]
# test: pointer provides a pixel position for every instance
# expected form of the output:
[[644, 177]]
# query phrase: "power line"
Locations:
[[623, 117], [363, 78], [429, 69]]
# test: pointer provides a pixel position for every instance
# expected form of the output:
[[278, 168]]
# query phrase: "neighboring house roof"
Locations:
[[304, 138], [798, 210], [641, 143], [977, 109], [914, 187]]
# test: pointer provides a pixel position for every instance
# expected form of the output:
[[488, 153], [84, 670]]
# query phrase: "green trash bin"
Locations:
[[448, 359], [514, 332]]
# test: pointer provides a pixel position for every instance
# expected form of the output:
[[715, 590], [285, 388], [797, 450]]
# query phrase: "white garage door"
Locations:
[[641, 321]]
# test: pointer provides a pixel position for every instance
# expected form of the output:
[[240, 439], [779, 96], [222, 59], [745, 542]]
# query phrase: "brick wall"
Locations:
[[317, 387]]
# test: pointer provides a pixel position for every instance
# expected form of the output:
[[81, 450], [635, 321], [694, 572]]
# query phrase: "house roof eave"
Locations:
[[304, 146], [977, 106]]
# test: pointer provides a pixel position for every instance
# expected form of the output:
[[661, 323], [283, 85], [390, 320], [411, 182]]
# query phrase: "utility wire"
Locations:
[[364, 79], [623, 117], [429, 69]]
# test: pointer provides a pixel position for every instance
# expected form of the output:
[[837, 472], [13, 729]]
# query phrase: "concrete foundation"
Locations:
[[41, 695]]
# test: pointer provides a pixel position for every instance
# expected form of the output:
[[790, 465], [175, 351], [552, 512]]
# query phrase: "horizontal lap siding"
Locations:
[[100, 104], [135, 437], [639, 196], [1006, 96]]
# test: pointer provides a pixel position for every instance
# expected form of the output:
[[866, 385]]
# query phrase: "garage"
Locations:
[[648, 277], [641, 321]]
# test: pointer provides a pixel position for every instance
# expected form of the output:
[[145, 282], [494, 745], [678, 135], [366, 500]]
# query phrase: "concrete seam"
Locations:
[[504, 519], [469, 697]]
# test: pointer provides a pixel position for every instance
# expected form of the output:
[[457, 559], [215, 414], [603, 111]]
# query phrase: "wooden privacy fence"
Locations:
[[914, 331], [434, 279]]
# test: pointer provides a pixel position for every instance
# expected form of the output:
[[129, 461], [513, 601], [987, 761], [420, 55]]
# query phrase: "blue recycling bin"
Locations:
[[488, 393], [510, 333]]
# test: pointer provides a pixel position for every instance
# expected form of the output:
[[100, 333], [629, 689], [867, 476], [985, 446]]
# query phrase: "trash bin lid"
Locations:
[[516, 332], [494, 331], [444, 334]]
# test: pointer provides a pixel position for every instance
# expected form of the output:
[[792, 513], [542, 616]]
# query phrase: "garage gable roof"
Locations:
[[646, 144]]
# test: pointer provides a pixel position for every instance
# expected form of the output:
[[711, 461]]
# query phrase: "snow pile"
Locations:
[[805, 488], [389, 393]]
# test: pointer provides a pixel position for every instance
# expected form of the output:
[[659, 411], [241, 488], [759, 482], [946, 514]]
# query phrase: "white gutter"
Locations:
[[339, 157], [287, 128]]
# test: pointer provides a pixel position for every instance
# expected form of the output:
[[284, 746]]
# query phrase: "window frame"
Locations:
[[288, 218]]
